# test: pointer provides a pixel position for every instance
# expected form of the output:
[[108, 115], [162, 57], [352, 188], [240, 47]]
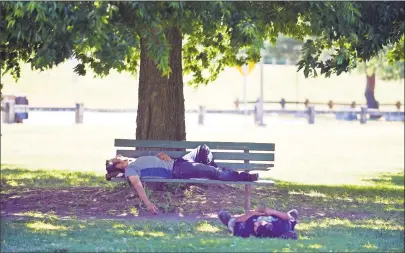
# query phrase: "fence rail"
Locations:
[[310, 113], [307, 103]]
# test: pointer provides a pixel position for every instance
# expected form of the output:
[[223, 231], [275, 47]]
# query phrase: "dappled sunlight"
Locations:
[[113, 235], [155, 234], [42, 226], [206, 227], [345, 201], [368, 217], [117, 225], [14, 177], [379, 200], [14, 183], [394, 180], [134, 211], [309, 194], [139, 233], [394, 209], [369, 246], [31, 214], [375, 224], [315, 246], [208, 241]]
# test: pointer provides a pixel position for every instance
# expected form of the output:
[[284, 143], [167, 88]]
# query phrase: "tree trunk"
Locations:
[[369, 94], [161, 113]]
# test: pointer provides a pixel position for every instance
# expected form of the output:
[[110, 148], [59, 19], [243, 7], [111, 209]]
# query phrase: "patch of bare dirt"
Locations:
[[187, 202]]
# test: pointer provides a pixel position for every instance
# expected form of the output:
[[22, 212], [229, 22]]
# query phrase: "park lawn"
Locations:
[[333, 217], [333, 235]]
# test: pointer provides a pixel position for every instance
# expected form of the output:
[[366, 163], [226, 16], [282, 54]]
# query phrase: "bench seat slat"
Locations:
[[200, 180], [217, 155], [245, 166], [194, 144]]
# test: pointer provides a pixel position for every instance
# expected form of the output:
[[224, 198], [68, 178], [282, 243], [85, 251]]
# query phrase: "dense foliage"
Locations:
[[106, 35]]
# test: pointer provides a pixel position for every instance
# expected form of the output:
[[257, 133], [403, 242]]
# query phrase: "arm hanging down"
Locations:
[[137, 184]]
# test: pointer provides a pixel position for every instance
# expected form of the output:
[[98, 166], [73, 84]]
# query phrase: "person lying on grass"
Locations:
[[199, 163], [263, 222]]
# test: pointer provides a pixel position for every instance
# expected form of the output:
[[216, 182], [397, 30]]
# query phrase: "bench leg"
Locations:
[[248, 189]]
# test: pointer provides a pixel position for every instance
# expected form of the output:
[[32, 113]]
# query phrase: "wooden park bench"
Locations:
[[241, 156]]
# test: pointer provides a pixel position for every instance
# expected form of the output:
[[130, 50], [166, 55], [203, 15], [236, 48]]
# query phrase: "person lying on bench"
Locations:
[[263, 222], [199, 163]]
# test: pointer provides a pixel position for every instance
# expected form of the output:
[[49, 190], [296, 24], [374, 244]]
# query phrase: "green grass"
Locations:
[[14, 176], [335, 218], [333, 235]]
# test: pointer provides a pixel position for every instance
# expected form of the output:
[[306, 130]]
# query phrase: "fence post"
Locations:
[[260, 113], [363, 115], [282, 103], [236, 103], [398, 105], [353, 104], [79, 111], [9, 112], [311, 114], [201, 115]]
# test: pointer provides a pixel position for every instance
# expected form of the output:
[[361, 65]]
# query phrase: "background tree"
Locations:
[[285, 49], [382, 67], [165, 40]]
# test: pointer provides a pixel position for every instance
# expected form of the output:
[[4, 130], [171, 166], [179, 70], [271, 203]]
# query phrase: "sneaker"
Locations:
[[244, 176], [253, 177], [290, 235], [224, 217]]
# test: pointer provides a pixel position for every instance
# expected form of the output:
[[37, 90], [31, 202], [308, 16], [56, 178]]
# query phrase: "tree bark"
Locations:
[[369, 94], [161, 113]]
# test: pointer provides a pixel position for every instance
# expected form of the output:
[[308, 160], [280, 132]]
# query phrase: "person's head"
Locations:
[[117, 163], [264, 229]]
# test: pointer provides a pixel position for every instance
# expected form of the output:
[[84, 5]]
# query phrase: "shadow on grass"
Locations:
[[29, 178], [384, 198], [44, 191], [388, 179], [336, 235]]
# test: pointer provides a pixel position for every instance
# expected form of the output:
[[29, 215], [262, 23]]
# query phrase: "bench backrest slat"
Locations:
[[217, 155], [233, 155], [194, 144]]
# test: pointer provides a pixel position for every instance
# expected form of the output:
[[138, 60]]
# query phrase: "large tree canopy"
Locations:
[[164, 40], [107, 34]]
